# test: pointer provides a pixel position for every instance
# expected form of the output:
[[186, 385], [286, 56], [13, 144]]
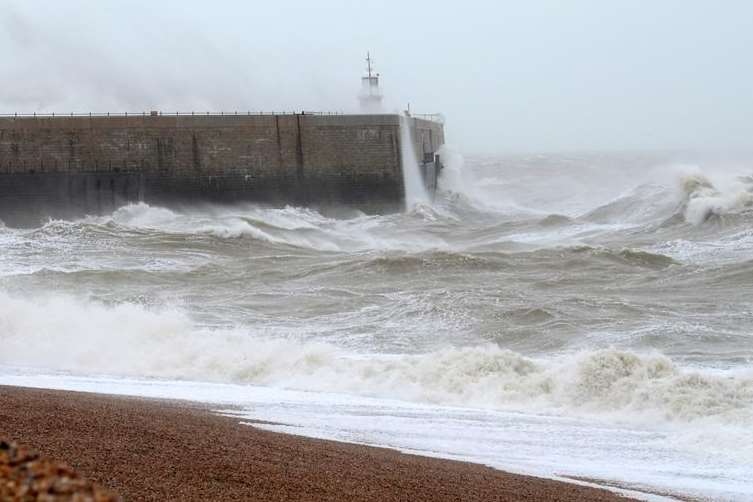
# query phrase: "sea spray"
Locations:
[[455, 177], [457, 181], [415, 190]]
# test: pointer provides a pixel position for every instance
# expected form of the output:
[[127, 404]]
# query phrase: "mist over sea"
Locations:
[[565, 315]]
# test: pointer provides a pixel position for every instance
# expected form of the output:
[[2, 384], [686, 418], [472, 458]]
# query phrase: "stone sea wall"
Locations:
[[67, 166]]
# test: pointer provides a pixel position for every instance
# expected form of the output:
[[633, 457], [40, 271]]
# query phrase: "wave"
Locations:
[[554, 220], [463, 218], [634, 257], [643, 204], [579, 258], [245, 221], [686, 195], [703, 200], [446, 261], [63, 333], [289, 227], [434, 260]]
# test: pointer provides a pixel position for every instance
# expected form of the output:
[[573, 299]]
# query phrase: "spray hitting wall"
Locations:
[[415, 187]]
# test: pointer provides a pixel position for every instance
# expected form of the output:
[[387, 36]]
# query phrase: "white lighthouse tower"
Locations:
[[370, 97]]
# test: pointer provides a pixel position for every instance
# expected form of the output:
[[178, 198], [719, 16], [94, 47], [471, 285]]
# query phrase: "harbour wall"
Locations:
[[65, 166]]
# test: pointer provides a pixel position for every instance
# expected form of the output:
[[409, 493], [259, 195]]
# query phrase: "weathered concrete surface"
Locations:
[[69, 166]]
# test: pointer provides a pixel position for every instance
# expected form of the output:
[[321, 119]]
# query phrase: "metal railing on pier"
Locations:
[[433, 117], [161, 114]]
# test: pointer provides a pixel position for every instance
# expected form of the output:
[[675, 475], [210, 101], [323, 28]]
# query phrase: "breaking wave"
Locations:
[[703, 200], [288, 225], [295, 227], [463, 218], [73, 335], [690, 197]]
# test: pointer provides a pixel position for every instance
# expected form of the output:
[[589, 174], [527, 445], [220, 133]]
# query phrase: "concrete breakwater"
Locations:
[[68, 166]]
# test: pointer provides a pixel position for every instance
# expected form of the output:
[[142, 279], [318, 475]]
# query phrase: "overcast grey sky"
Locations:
[[508, 75]]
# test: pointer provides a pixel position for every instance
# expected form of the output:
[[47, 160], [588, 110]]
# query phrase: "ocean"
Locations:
[[571, 316]]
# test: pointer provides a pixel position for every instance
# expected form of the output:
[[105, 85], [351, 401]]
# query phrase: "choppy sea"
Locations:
[[583, 315]]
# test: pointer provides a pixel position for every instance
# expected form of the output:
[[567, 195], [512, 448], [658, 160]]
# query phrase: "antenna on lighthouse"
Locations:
[[370, 97]]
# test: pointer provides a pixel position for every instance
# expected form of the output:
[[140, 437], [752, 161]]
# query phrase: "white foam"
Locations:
[[537, 444], [64, 333], [703, 199], [293, 226]]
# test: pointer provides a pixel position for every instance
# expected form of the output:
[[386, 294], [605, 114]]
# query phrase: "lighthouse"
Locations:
[[370, 97]]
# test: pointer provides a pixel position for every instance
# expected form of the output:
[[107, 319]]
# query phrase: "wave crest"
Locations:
[[632, 257], [128, 339], [702, 200]]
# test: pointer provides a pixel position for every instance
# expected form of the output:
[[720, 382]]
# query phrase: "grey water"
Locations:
[[607, 287]]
